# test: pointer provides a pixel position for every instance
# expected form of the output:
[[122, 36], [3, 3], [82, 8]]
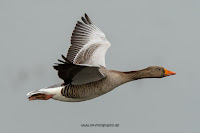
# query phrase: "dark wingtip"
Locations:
[[63, 56], [61, 61], [55, 67], [66, 60], [86, 15], [79, 22], [84, 20], [88, 19]]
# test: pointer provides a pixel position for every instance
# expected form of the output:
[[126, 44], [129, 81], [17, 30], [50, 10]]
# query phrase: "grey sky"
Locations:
[[142, 32]]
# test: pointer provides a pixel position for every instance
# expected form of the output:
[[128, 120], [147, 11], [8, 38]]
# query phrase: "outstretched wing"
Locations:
[[88, 44], [77, 74]]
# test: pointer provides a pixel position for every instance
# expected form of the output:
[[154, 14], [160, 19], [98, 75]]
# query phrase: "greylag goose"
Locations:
[[84, 71]]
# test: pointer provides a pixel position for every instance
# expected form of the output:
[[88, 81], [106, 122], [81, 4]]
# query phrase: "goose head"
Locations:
[[159, 72]]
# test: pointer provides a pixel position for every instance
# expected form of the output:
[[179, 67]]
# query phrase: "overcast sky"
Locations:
[[34, 33]]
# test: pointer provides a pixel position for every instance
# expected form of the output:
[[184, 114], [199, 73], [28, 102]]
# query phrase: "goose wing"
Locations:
[[77, 74], [88, 44]]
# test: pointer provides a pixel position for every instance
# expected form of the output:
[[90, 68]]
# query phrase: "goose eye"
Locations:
[[159, 69]]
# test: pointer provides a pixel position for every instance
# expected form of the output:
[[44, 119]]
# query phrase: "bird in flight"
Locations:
[[84, 71]]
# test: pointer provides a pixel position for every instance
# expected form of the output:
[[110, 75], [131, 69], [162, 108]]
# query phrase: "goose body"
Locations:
[[84, 71]]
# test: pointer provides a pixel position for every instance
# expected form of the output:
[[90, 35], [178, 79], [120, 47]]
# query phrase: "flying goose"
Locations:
[[84, 71]]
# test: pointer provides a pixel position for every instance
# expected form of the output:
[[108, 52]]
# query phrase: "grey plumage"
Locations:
[[80, 36], [75, 74], [86, 39], [83, 70]]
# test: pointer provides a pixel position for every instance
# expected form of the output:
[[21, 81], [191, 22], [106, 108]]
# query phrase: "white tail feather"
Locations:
[[36, 92], [48, 91]]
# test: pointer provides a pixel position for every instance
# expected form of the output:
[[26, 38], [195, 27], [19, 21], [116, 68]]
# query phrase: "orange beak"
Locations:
[[168, 73]]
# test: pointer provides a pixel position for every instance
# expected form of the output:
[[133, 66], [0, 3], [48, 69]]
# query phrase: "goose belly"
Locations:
[[78, 93]]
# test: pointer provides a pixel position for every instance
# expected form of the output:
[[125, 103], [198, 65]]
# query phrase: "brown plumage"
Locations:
[[84, 71], [112, 80]]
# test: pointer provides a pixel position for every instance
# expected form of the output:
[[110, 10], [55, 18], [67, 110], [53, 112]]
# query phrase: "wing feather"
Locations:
[[77, 74], [87, 37]]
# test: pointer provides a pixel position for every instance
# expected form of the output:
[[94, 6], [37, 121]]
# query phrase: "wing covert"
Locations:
[[77, 74], [88, 44]]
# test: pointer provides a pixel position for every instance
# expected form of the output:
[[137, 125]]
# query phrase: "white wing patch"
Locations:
[[88, 44]]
